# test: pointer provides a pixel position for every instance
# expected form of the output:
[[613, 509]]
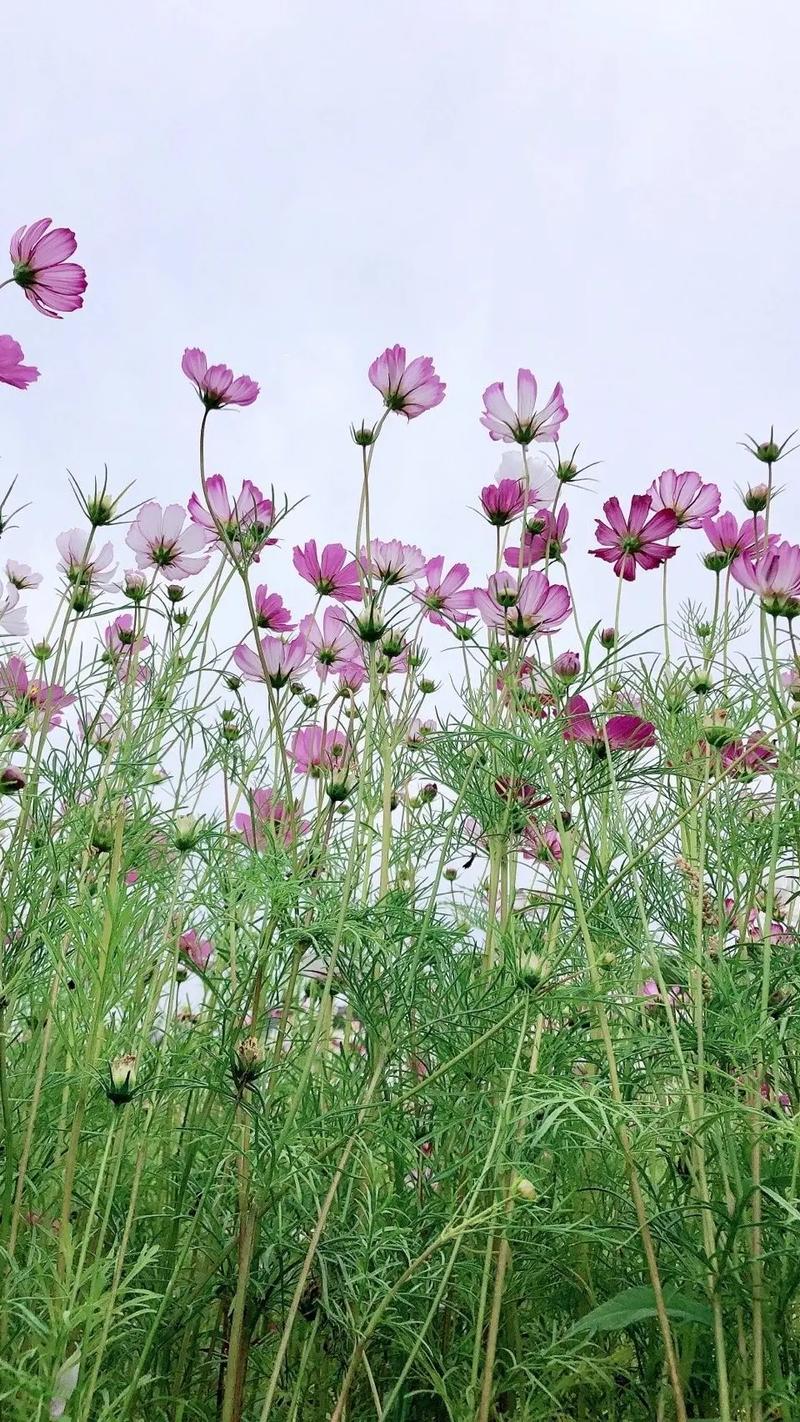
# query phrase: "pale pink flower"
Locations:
[[50, 282], [12, 371], [634, 542], [245, 521], [543, 843], [775, 579], [159, 540], [198, 950], [526, 423], [315, 750], [83, 565], [686, 496], [271, 614], [443, 595], [13, 619], [121, 638], [545, 536], [21, 576], [730, 540], [278, 663], [409, 387], [329, 571], [621, 732], [534, 608], [215, 384], [533, 470], [332, 646], [351, 676], [393, 562], [418, 730], [269, 819]]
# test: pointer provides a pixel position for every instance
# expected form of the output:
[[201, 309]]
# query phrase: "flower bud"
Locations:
[[451, 874], [181, 618], [768, 452], [702, 682], [247, 1061], [530, 973], [363, 434], [135, 586], [426, 686], [175, 592], [524, 1189], [121, 1079], [12, 781], [42, 651], [756, 498], [187, 832], [567, 666], [608, 637]]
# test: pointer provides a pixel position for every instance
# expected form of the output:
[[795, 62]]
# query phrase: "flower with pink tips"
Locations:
[[271, 613], [244, 521], [269, 820], [333, 645], [775, 579], [622, 732], [160, 540], [51, 283], [730, 540], [84, 566], [392, 563], [686, 496], [534, 608], [277, 663], [12, 371], [634, 541], [21, 576], [526, 423], [38, 700], [542, 843], [198, 950], [545, 537], [216, 384], [329, 571], [13, 618], [443, 594], [315, 750], [408, 387], [503, 501]]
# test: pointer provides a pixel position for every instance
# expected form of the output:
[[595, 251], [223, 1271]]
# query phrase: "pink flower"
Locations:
[[731, 540], [632, 542], [120, 636], [526, 423], [278, 663], [545, 536], [269, 819], [444, 593], [13, 619], [542, 842], [535, 608], [159, 540], [775, 579], [409, 388], [351, 676], [393, 562], [755, 756], [245, 522], [332, 646], [12, 371], [686, 496], [215, 384], [271, 614], [418, 730], [50, 282], [42, 702], [314, 750], [21, 576], [567, 666], [503, 501], [83, 566], [328, 572], [199, 951], [621, 732]]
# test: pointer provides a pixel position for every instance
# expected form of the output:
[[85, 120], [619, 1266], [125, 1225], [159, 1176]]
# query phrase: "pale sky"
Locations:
[[606, 192]]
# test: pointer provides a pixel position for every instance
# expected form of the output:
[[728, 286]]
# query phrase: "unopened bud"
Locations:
[[523, 1188], [608, 637], [121, 1079], [12, 781], [247, 1061], [187, 832]]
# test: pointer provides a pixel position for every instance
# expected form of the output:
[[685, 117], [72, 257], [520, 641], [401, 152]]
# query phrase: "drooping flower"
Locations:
[[686, 496], [198, 950], [278, 662], [216, 384], [393, 562], [503, 502], [21, 576], [12, 371], [409, 387], [315, 750], [13, 619], [271, 613], [542, 843], [623, 732], [545, 536], [753, 756], [634, 542], [50, 282], [526, 423], [443, 595], [333, 645], [730, 540], [269, 819], [775, 579], [534, 608], [159, 540], [244, 521], [329, 571]]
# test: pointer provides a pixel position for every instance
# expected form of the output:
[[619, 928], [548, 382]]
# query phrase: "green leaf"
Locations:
[[634, 1305]]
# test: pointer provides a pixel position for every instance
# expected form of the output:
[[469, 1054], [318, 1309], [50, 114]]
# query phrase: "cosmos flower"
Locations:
[[408, 387], [333, 645], [686, 496], [526, 423], [329, 571], [633, 542], [443, 594], [545, 537], [245, 521], [278, 663], [216, 384], [271, 614], [12, 371], [625, 732], [159, 540], [775, 579], [269, 819], [534, 608], [50, 282], [393, 562]]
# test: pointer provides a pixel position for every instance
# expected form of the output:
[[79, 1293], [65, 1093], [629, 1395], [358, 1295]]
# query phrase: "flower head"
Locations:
[[198, 950], [12, 371], [216, 384], [503, 501], [333, 645], [409, 387], [329, 571], [542, 843], [271, 614], [21, 576], [534, 608], [633, 542], [85, 568], [50, 282], [686, 496], [37, 700], [393, 562], [775, 579], [315, 750], [244, 521], [269, 819], [624, 732], [545, 537], [13, 619], [526, 423], [731, 540], [277, 663], [443, 595], [159, 540]]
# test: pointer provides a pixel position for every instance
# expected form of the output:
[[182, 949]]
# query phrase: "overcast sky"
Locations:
[[606, 192]]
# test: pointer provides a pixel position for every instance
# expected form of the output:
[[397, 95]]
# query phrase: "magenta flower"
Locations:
[[567, 666], [503, 501], [775, 579], [755, 756], [534, 608], [731, 540], [271, 614], [37, 699], [83, 566], [215, 384], [13, 619], [409, 388], [633, 542], [121, 638], [328, 571], [278, 663], [443, 594], [545, 536], [198, 950], [332, 646], [159, 540], [686, 496], [621, 732], [21, 576], [50, 282], [245, 521], [393, 562], [315, 750], [526, 423], [12, 371], [269, 819]]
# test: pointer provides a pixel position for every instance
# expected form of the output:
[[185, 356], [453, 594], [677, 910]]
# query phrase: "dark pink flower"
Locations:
[[278, 663], [315, 750], [504, 501], [775, 579], [269, 819], [633, 542], [545, 536], [621, 732], [271, 614], [754, 756], [411, 387], [328, 571], [686, 496], [120, 636], [534, 608], [393, 562], [50, 282], [731, 540], [332, 646], [43, 702], [199, 951], [245, 521], [12, 371], [443, 594], [215, 384], [21, 576], [159, 540], [526, 423]]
